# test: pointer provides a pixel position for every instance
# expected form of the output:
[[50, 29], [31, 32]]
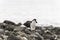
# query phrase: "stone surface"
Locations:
[[12, 31]]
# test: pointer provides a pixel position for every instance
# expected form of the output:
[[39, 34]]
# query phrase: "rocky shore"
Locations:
[[11, 31]]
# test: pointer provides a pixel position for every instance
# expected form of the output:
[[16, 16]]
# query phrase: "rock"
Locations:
[[2, 31], [11, 31], [9, 22]]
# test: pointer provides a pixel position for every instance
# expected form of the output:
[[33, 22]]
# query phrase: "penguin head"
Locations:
[[34, 20]]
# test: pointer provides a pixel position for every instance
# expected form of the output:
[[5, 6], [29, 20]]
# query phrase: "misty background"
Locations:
[[47, 12]]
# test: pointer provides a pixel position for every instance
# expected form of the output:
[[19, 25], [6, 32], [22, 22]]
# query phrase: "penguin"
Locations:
[[27, 24], [33, 24]]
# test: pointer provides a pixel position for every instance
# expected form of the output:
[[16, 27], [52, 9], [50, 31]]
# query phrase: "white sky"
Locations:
[[45, 11]]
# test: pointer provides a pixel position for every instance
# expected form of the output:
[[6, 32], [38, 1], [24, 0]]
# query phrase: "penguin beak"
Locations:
[[36, 21]]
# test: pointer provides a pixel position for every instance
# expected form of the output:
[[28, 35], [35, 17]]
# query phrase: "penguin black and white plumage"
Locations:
[[27, 24], [33, 24]]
